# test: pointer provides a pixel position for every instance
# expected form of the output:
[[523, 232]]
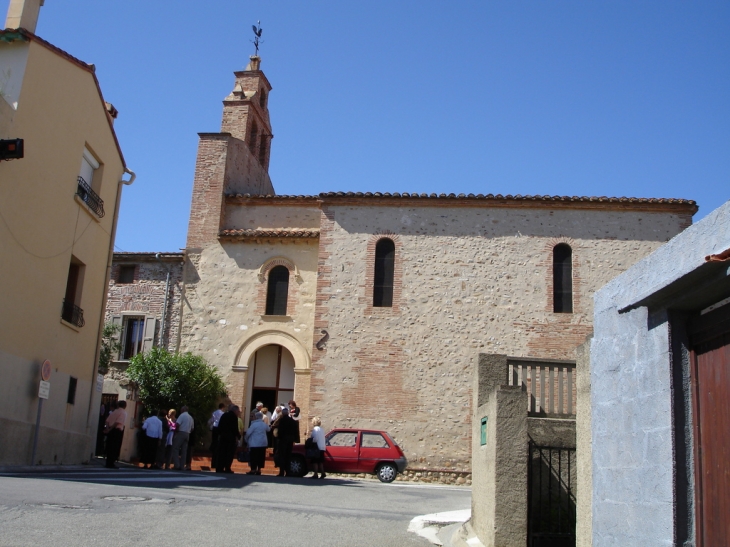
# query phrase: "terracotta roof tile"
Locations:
[[492, 197], [247, 234]]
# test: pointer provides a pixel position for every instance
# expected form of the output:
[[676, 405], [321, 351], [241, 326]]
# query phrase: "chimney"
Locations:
[[23, 14]]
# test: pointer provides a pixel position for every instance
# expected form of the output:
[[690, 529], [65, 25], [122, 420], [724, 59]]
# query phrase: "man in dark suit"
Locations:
[[228, 436], [288, 431]]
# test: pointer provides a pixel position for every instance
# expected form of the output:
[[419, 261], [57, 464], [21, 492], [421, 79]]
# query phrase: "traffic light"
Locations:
[[11, 149]]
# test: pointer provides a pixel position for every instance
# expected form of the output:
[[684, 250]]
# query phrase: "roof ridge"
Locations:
[[515, 197]]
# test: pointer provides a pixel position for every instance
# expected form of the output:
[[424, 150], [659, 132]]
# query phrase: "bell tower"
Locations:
[[246, 111], [234, 161]]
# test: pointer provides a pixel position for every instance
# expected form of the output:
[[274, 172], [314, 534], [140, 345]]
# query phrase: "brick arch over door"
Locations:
[[302, 361], [242, 374]]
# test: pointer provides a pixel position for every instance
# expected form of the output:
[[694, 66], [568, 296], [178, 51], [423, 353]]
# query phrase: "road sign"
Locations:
[[44, 390], [46, 370]]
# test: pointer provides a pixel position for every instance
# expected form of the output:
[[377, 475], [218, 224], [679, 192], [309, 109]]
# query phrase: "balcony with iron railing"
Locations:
[[71, 313], [89, 197]]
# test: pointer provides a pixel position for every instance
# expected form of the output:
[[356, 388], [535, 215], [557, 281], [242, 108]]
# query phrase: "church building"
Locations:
[[370, 309]]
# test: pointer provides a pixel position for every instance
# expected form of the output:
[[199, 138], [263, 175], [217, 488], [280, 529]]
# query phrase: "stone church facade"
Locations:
[[370, 309]]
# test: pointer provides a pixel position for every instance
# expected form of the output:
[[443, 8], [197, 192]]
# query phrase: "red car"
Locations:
[[355, 451]]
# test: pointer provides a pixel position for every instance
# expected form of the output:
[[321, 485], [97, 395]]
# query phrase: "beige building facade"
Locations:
[[59, 207], [370, 310]]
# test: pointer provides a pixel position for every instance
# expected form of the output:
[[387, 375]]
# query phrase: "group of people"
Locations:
[[165, 437]]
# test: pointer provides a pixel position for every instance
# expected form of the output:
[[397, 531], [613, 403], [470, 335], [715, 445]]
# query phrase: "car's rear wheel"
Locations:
[[387, 472], [297, 466]]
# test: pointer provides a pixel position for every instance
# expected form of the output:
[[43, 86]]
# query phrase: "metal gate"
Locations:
[[551, 475]]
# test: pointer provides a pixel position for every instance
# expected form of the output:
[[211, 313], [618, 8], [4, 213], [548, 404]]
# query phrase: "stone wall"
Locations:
[[474, 279], [469, 278], [223, 310]]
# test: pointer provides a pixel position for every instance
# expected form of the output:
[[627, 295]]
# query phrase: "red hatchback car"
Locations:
[[356, 451]]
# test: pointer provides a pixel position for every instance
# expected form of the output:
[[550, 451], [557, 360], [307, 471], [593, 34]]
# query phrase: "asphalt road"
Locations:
[[93, 507]]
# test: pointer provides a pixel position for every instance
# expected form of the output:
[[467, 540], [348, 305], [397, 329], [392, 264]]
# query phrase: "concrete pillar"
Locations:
[[499, 463], [584, 512]]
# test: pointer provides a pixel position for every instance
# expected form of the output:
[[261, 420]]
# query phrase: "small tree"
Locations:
[[170, 380], [110, 346]]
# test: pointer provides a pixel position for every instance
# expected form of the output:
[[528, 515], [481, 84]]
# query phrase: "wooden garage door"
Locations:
[[711, 402]]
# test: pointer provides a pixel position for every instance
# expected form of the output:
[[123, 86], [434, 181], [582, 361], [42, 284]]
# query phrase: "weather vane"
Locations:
[[257, 33]]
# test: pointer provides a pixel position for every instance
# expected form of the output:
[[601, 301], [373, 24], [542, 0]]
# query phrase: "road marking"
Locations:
[[122, 476], [440, 486], [179, 478]]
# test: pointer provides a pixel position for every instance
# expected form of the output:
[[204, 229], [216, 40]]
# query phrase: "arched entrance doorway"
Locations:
[[271, 371]]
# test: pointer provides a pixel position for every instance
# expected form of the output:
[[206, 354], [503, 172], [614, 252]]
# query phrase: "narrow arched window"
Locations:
[[384, 270], [262, 99], [277, 291], [562, 279]]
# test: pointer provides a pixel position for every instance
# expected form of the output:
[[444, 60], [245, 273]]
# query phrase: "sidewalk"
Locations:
[[20, 469]]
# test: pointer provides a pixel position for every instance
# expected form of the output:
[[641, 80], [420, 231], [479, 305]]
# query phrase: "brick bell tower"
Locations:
[[246, 112], [234, 161]]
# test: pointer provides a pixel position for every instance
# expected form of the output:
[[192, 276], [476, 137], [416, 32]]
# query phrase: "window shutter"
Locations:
[[117, 320], [150, 325]]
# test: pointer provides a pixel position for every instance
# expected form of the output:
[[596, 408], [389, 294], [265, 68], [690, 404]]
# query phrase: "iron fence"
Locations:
[[551, 517], [90, 197]]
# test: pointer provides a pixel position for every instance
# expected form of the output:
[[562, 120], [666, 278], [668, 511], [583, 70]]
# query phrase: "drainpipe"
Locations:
[[164, 307], [110, 256]]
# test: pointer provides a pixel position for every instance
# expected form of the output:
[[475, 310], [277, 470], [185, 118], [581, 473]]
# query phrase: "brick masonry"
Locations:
[[146, 294]]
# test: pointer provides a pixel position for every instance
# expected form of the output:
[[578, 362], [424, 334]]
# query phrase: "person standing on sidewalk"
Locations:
[[321, 447], [257, 443], [152, 427], [214, 421], [288, 430], [228, 436], [114, 427], [185, 426]]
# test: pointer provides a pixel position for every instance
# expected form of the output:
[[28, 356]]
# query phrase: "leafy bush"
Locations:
[[110, 346], [169, 380]]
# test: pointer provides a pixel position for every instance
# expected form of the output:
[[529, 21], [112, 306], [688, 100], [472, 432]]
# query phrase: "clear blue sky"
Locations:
[[597, 98]]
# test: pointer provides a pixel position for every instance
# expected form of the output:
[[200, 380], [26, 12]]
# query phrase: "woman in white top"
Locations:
[[318, 437]]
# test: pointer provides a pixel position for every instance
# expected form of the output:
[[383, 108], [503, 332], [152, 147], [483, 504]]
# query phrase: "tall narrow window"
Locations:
[[384, 270], [562, 279], [71, 312], [277, 291]]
